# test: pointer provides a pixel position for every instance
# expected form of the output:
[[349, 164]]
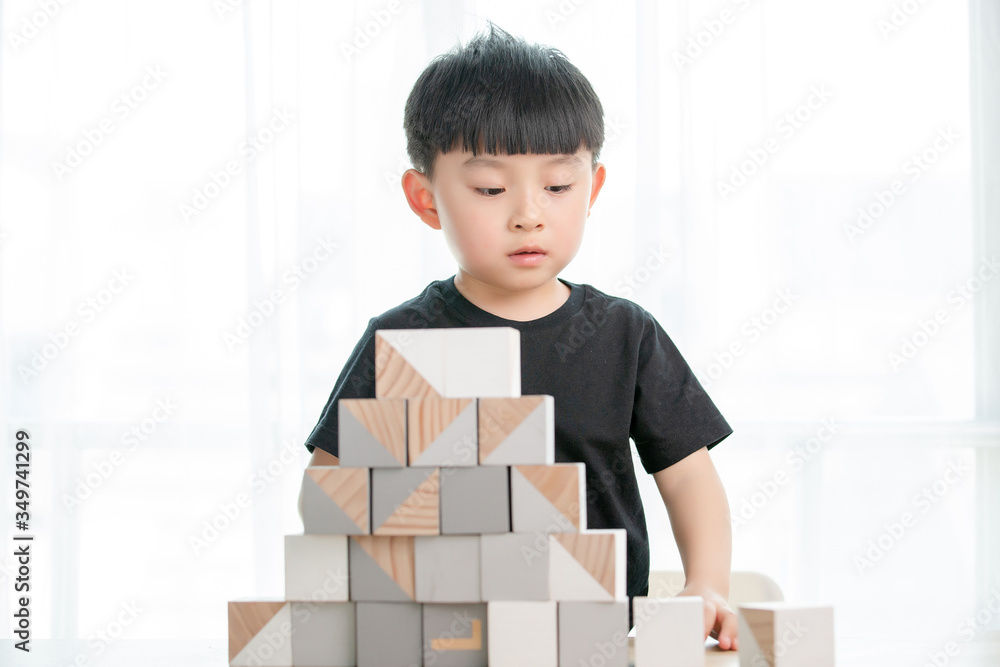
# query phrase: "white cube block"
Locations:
[[316, 567], [669, 632]]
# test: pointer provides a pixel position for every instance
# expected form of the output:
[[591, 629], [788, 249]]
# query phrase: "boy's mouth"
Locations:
[[528, 250], [527, 256]]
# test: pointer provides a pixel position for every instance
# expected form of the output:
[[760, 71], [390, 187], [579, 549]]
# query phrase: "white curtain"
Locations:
[[200, 209]]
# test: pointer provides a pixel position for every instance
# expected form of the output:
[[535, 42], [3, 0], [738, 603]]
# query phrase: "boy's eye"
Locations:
[[493, 192]]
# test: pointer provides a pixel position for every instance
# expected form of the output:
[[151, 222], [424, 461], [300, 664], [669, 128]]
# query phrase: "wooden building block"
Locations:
[[335, 500], [316, 567], [514, 566], [409, 363], [455, 635], [482, 361], [588, 566], [372, 432], [260, 633], [522, 634], [381, 568], [548, 498], [669, 631], [447, 568], [517, 431], [475, 500], [323, 634], [405, 501], [442, 432], [783, 634], [594, 633], [455, 362], [389, 634]]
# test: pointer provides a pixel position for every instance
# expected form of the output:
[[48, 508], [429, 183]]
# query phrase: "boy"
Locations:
[[504, 137]]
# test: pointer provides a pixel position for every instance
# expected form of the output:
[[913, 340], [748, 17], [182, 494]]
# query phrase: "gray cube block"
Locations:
[[593, 632], [475, 500], [515, 566], [323, 634], [455, 635], [389, 634]]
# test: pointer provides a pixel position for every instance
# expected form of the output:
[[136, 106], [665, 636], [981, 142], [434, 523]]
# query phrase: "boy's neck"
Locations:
[[523, 306]]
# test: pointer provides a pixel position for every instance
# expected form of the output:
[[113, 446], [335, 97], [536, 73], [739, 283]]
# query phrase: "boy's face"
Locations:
[[513, 222]]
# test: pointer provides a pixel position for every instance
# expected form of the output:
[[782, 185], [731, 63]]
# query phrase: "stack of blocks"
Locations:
[[447, 535]]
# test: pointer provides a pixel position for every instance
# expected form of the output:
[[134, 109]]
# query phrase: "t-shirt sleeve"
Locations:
[[357, 380], [672, 414]]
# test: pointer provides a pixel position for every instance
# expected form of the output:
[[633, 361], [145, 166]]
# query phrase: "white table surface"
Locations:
[[884, 651]]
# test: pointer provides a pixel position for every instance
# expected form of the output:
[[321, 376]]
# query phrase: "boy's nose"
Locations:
[[527, 217]]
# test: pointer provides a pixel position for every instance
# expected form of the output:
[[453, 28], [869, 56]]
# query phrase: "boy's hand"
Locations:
[[720, 620]]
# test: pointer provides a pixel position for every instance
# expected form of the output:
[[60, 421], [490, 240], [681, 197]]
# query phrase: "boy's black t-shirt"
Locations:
[[614, 374]]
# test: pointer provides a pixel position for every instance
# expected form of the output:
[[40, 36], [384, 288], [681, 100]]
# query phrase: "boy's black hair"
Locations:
[[501, 95]]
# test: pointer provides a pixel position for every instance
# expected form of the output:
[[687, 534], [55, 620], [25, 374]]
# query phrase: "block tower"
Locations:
[[447, 535]]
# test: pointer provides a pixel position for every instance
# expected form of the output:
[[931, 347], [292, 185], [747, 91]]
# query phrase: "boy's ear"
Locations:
[[598, 182], [417, 188]]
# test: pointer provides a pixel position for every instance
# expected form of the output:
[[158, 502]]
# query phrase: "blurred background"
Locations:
[[200, 210]]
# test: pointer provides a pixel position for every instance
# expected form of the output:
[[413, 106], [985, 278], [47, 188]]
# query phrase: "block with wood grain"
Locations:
[[517, 431], [381, 569], [442, 432], [784, 634], [669, 631], [548, 498], [406, 501], [260, 632], [335, 500], [372, 432], [587, 566], [459, 362]]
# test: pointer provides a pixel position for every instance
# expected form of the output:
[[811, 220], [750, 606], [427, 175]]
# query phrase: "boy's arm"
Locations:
[[699, 516], [320, 457]]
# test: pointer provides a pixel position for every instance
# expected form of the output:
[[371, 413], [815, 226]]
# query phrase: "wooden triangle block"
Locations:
[[549, 498], [441, 432], [517, 431], [409, 363], [783, 634], [393, 557], [372, 432], [246, 620], [588, 566], [347, 491], [406, 501]]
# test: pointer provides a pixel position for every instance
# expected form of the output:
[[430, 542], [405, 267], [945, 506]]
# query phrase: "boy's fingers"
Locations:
[[727, 632]]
